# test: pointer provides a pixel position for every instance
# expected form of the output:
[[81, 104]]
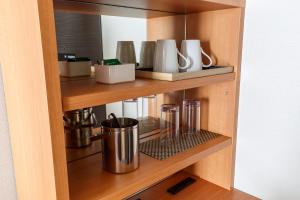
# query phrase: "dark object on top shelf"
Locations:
[[213, 67], [78, 59], [111, 62], [71, 57], [65, 56], [146, 69]]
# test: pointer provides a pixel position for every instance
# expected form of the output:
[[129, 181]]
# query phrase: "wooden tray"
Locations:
[[184, 75]]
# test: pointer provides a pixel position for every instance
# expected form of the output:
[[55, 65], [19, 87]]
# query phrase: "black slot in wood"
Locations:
[[181, 185]]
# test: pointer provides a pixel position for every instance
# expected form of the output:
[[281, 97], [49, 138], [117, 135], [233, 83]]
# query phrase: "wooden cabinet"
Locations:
[[36, 98]]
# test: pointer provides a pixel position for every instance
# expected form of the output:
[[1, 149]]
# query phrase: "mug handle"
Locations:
[[186, 60], [207, 56]]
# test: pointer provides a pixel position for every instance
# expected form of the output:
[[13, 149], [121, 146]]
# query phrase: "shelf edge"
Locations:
[[166, 172], [95, 99]]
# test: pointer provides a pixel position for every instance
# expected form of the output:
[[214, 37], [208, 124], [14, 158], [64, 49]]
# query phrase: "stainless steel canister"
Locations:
[[78, 127], [120, 145]]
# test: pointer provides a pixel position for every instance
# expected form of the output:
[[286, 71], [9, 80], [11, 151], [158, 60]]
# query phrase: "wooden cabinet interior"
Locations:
[[86, 92], [87, 179], [221, 34], [217, 23], [200, 189]]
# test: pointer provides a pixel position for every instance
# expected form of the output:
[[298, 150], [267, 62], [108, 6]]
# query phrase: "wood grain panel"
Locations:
[[201, 189], [209, 168], [47, 27], [88, 180], [25, 85], [171, 27], [221, 33], [218, 101], [86, 93]]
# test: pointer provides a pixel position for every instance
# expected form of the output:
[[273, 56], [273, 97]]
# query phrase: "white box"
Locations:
[[111, 74], [71, 69]]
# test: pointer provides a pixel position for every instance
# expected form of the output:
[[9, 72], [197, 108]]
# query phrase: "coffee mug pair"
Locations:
[[190, 56], [126, 53], [162, 55]]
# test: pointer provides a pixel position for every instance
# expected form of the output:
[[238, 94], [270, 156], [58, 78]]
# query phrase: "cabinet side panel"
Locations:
[[21, 57], [221, 34], [48, 36], [171, 27], [216, 168]]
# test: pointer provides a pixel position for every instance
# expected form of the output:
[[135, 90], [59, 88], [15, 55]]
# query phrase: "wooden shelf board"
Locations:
[[201, 189], [103, 9], [74, 154], [83, 93], [144, 8], [87, 179]]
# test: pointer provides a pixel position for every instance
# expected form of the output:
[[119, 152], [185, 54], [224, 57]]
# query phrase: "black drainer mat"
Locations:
[[161, 151]]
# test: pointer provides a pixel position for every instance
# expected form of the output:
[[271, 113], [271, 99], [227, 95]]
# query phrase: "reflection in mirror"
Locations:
[[96, 38], [116, 29], [79, 34]]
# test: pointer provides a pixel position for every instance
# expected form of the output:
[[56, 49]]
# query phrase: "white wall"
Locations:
[[7, 181], [116, 29], [268, 146]]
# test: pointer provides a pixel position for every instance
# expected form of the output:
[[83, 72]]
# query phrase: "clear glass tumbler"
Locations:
[[130, 108], [190, 116], [169, 122], [149, 114]]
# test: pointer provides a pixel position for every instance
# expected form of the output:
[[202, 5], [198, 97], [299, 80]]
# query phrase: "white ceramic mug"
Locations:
[[165, 58], [126, 52], [147, 54], [192, 49]]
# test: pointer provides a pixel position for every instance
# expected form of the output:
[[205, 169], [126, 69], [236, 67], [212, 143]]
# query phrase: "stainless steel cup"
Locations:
[[78, 127], [120, 145]]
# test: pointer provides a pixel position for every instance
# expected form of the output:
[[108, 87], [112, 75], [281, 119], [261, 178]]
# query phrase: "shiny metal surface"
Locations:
[[78, 137], [78, 127], [120, 146]]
